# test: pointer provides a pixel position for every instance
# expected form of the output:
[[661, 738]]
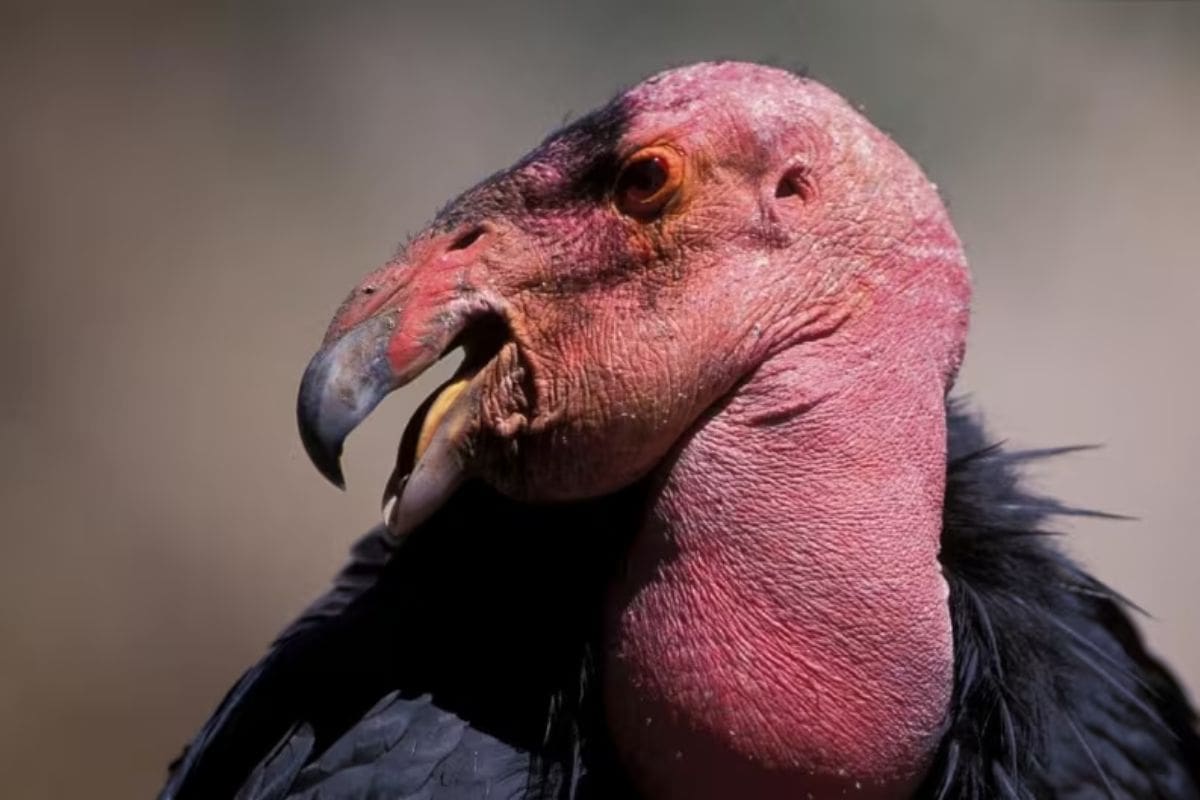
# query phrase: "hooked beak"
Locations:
[[396, 325], [343, 383]]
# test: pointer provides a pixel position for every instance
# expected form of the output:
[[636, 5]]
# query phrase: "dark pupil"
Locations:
[[643, 178]]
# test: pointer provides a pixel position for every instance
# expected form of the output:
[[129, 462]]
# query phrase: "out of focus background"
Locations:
[[188, 192]]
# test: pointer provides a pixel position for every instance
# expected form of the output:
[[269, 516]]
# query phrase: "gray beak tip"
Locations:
[[326, 460], [322, 442]]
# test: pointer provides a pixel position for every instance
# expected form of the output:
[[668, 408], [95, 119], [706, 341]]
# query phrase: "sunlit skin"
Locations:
[[728, 282]]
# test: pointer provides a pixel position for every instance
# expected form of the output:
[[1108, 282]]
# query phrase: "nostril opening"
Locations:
[[468, 238], [369, 290]]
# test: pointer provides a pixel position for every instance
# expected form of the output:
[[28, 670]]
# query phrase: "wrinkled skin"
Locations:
[[615, 351], [803, 263]]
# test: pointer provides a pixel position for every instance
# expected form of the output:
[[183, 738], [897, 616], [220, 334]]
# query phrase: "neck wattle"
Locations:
[[782, 625]]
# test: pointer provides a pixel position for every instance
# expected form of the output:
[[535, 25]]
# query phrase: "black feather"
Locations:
[[491, 610], [1055, 694]]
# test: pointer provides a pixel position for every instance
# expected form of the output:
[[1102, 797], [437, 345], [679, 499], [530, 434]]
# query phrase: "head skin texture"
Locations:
[[772, 350]]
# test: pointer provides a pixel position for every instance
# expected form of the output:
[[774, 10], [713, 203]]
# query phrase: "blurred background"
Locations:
[[188, 192]]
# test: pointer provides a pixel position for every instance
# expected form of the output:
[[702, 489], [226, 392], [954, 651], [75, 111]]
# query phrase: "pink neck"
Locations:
[[783, 626]]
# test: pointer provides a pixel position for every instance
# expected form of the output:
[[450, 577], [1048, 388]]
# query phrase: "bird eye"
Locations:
[[648, 181]]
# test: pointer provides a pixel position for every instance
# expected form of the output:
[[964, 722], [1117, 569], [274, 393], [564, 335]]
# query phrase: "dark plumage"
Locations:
[[398, 684], [498, 629], [1055, 695]]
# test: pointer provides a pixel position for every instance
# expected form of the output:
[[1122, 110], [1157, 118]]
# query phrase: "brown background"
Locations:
[[187, 195]]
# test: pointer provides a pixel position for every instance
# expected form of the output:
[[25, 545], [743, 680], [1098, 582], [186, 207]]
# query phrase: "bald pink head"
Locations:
[[729, 280]]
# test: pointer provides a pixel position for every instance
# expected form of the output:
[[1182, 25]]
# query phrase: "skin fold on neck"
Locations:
[[782, 626]]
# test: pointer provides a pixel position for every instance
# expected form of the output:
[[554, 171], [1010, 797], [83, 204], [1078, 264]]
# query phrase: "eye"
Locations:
[[649, 180]]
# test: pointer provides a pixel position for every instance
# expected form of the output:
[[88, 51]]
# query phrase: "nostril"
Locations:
[[369, 289], [467, 238]]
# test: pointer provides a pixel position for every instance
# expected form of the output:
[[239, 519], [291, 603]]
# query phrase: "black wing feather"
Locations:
[[250, 707], [273, 777], [497, 630], [1055, 694]]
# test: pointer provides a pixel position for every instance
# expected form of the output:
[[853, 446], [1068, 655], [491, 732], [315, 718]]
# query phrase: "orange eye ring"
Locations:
[[648, 180]]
